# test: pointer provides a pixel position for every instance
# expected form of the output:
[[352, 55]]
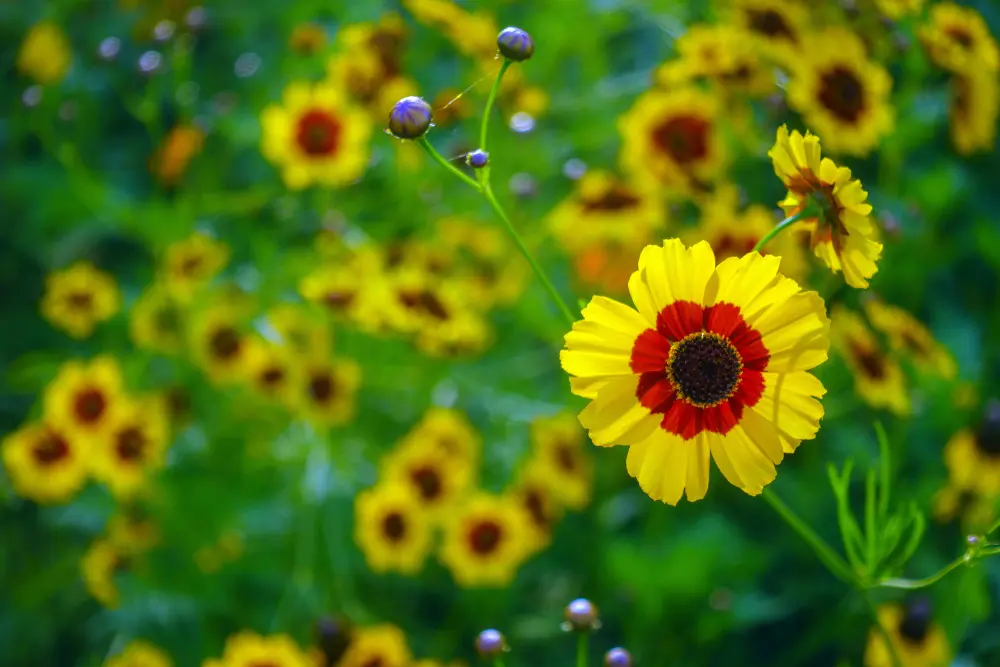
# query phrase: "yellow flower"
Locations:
[[917, 639], [248, 649], [439, 314], [878, 380], [43, 464], [843, 233], [486, 541], [907, 335], [437, 479], [328, 389], [723, 54], [307, 38], [358, 293], [99, 566], [841, 93], [190, 264], [79, 297], [138, 653], [391, 529], [897, 9], [300, 330], [274, 372], [156, 321], [217, 343], [474, 35], [45, 54], [83, 401], [975, 105], [316, 136], [976, 511], [450, 431], [480, 258], [134, 448], [130, 532], [557, 446], [958, 39], [175, 153], [973, 456], [534, 492], [733, 233], [777, 27], [670, 139], [383, 645], [713, 364]]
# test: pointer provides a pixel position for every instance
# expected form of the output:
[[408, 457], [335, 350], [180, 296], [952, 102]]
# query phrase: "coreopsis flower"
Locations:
[[80, 297], [878, 379], [722, 54], [908, 336], [191, 263], [45, 54], [134, 448], [449, 430], [369, 64], [172, 157], [973, 455], [485, 541], [671, 139], [43, 464], [274, 372], [777, 28], [976, 511], [248, 649], [438, 480], [307, 38], [218, 342], [98, 567], [480, 258], [841, 93], [328, 389], [316, 136], [138, 653], [383, 645], [713, 363], [842, 232], [958, 39], [157, 321], [474, 34], [301, 330], [391, 529], [84, 400], [535, 492], [897, 9], [917, 639], [557, 448], [975, 106]]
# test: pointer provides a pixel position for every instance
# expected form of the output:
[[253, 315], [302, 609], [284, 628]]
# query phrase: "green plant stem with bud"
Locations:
[[447, 165], [582, 645], [483, 129], [806, 212]]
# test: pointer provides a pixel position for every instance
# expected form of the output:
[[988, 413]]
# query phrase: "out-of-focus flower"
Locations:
[[450, 431], [274, 373], [316, 136], [131, 532], [175, 153], [410, 118], [438, 480], [897, 9], [605, 266], [328, 390], [217, 342], [670, 140], [713, 364], [841, 93], [138, 653], [191, 263], [80, 297], [43, 464], [248, 648], [99, 565], [84, 400], [391, 529], [557, 444], [301, 330], [916, 638], [777, 27], [843, 233], [958, 39], [976, 511], [485, 541], [908, 336], [534, 491], [307, 38], [135, 447], [156, 321], [383, 645], [878, 380], [45, 54], [975, 106], [973, 455], [473, 34], [722, 54]]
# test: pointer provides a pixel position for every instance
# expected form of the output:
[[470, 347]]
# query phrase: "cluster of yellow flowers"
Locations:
[[428, 482]]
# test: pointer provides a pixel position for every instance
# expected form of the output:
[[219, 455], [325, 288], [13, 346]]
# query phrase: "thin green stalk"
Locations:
[[780, 227], [448, 165], [913, 584], [830, 558], [539, 271], [498, 662], [993, 527], [581, 649], [489, 104], [886, 637]]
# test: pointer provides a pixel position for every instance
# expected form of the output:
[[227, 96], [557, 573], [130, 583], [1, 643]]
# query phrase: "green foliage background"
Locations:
[[716, 582]]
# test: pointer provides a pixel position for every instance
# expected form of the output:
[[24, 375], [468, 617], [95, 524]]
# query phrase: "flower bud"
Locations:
[[581, 616], [410, 118], [515, 44], [477, 159], [490, 643], [618, 657]]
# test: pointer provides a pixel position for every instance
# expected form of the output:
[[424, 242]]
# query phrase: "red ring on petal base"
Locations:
[[655, 350]]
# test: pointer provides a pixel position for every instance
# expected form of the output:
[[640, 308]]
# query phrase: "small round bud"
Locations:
[[109, 48], [581, 616], [410, 118], [515, 44], [618, 657], [973, 541], [32, 96], [149, 62], [164, 30], [196, 18], [490, 643], [477, 159]]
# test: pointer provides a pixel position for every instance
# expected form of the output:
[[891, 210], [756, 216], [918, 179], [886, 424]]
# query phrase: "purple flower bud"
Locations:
[[410, 118], [618, 657], [515, 44], [490, 643], [581, 615], [477, 159]]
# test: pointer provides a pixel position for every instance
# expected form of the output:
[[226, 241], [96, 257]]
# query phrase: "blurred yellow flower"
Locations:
[[878, 380], [43, 464], [958, 39], [722, 54], [191, 263], [973, 456], [473, 34], [307, 38], [486, 540], [218, 344], [328, 391], [438, 480], [908, 336], [84, 400], [450, 431], [131, 532], [156, 321], [558, 445], [135, 447], [274, 372], [383, 645], [80, 297], [777, 27], [976, 511], [391, 529], [533, 491], [975, 106], [316, 136], [99, 565], [916, 638], [843, 232], [897, 9], [138, 653], [45, 54], [247, 649], [301, 330], [171, 158]]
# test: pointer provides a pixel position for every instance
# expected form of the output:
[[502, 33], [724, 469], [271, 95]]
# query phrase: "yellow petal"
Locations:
[[789, 402], [616, 412], [698, 467]]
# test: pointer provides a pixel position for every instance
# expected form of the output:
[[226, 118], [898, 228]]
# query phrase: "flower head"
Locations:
[[485, 541], [79, 297], [842, 232], [973, 455], [618, 657], [515, 44], [958, 39], [713, 364], [490, 643], [391, 529], [45, 54], [477, 159], [140, 654], [581, 616], [878, 379], [918, 641], [410, 118], [384, 645], [44, 464]]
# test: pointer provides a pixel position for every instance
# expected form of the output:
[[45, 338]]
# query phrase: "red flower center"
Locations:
[[322, 388], [534, 502], [89, 405], [80, 300], [566, 456], [272, 377], [424, 302], [960, 35], [485, 537], [49, 449], [428, 482], [770, 24], [318, 133], [130, 444], [842, 93], [224, 343], [684, 138], [394, 527], [699, 368], [871, 362]]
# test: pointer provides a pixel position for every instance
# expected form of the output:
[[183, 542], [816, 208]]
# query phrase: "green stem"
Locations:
[[498, 662], [448, 165], [489, 104], [886, 637], [539, 271], [581, 649], [993, 527], [780, 227], [830, 558], [913, 584]]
